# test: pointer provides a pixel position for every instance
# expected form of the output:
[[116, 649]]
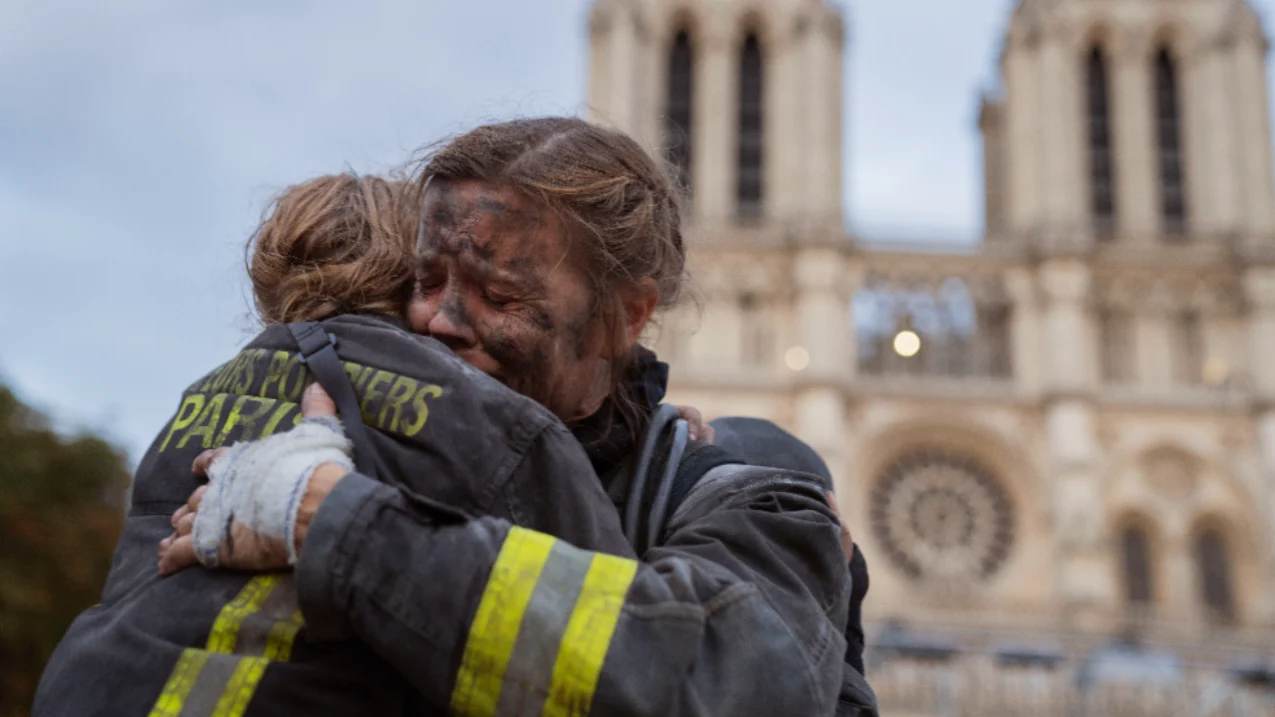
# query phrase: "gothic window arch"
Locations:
[[679, 106], [1168, 114], [1102, 192], [1214, 573], [750, 167], [1137, 564]]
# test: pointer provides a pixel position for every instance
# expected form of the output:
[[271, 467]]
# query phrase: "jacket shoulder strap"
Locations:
[[318, 353], [667, 468]]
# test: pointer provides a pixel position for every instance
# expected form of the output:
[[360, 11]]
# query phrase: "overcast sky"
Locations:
[[140, 139]]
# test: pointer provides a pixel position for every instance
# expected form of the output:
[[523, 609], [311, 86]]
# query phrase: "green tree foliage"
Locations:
[[61, 512]]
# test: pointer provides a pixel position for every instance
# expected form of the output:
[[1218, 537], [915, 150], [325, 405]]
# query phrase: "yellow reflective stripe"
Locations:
[[225, 631], [240, 688], [223, 639], [173, 698], [495, 626], [282, 635], [588, 636]]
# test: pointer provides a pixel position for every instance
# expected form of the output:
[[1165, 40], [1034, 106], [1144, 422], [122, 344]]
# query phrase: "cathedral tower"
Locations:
[[1062, 436], [743, 97], [1130, 120]]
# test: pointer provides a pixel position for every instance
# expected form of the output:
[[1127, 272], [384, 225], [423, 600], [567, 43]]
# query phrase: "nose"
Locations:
[[452, 325]]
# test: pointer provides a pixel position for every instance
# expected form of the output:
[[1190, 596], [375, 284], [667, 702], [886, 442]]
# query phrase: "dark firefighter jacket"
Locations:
[[227, 643], [738, 611]]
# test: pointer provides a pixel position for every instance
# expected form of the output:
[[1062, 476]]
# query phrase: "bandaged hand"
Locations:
[[260, 485], [250, 515]]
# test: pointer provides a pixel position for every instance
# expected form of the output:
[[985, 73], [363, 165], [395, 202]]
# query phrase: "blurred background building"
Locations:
[[1057, 449]]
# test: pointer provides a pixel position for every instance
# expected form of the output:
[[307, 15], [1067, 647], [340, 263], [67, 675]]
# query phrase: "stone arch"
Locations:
[[1128, 481], [761, 19], [1144, 478], [1098, 33], [1180, 38], [1001, 454], [1171, 471], [683, 16], [1210, 494]]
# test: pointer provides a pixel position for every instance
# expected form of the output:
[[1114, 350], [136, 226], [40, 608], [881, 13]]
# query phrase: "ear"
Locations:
[[638, 302]]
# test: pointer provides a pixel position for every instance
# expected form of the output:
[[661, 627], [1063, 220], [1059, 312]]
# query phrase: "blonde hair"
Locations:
[[338, 244]]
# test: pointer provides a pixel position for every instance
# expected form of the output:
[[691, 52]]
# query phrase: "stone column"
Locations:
[[1219, 111], [1258, 176], [785, 97], [1070, 363], [715, 347], [1177, 591], [1133, 118], [601, 40], [824, 147], [1263, 608], [1062, 135], [1196, 96], [651, 86], [1022, 132], [1193, 113], [623, 64], [1026, 353], [1259, 288], [1156, 353], [1084, 579], [822, 309], [716, 96]]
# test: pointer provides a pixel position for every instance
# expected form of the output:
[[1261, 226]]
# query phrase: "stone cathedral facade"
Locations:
[[1057, 449]]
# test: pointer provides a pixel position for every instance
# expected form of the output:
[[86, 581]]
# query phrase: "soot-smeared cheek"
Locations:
[[576, 334], [541, 317], [526, 365]]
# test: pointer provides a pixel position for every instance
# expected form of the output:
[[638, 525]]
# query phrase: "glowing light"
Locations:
[[1215, 371], [907, 343], [797, 358]]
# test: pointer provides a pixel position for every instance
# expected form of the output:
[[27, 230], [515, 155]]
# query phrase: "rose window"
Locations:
[[942, 516]]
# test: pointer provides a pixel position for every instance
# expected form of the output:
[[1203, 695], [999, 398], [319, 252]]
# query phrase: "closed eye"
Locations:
[[429, 279], [498, 298]]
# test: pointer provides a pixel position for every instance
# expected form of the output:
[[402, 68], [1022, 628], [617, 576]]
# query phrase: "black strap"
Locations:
[[698, 461], [318, 353], [667, 468], [642, 488]]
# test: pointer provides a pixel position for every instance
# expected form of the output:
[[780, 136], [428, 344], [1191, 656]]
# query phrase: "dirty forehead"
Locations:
[[489, 229]]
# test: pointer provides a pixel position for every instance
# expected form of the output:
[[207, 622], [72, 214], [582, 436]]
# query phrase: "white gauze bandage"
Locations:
[[260, 484]]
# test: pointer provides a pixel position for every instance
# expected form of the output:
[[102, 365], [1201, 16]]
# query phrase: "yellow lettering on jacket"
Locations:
[[207, 424], [248, 419], [370, 394], [275, 372], [422, 409], [400, 393], [186, 413]]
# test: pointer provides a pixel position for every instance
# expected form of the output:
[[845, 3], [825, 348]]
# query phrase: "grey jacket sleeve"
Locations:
[[739, 612]]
